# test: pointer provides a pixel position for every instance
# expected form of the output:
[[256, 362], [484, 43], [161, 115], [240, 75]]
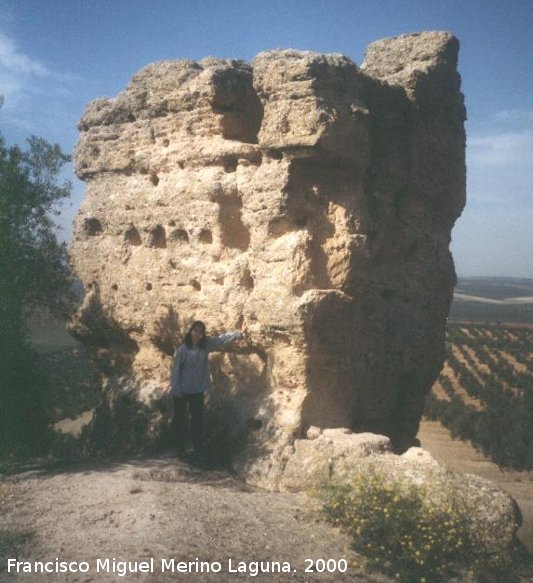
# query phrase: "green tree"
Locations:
[[33, 274]]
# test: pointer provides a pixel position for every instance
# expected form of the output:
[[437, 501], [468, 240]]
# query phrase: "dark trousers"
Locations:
[[194, 402]]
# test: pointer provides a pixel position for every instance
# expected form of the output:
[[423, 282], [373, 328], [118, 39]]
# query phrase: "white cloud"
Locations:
[[20, 76], [37, 99], [515, 115], [485, 242], [16, 62], [506, 149], [506, 143], [499, 158]]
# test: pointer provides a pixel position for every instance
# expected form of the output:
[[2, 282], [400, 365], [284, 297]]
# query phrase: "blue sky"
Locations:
[[57, 55]]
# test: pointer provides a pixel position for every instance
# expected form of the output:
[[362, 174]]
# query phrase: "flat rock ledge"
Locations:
[[339, 453]]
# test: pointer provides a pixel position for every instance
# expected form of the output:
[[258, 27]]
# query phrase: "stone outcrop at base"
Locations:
[[335, 456], [304, 195]]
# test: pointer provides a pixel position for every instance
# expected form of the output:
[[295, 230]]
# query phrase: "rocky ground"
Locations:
[[161, 508], [459, 456]]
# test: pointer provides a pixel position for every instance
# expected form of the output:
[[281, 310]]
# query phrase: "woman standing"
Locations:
[[190, 379]]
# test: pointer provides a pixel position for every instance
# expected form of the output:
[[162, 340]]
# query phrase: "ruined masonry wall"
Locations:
[[309, 197]]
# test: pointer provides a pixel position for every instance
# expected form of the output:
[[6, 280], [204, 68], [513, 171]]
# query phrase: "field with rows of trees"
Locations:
[[485, 390]]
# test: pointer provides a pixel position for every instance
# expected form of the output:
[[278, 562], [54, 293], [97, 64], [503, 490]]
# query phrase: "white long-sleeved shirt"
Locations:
[[190, 370]]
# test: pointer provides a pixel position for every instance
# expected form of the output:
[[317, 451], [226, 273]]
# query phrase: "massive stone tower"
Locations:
[[309, 197]]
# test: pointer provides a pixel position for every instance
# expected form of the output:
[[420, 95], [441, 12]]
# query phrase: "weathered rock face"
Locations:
[[492, 515], [306, 196]]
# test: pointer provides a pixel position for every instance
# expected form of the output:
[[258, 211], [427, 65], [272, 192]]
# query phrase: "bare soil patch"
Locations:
[[163, 508]]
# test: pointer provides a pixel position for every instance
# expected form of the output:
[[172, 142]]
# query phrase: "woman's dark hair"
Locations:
[[188, 338]]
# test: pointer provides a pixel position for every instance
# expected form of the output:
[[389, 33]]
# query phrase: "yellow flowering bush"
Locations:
[[410, 531]]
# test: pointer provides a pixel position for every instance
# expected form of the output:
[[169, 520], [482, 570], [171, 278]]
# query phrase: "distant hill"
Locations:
[[493, 299]]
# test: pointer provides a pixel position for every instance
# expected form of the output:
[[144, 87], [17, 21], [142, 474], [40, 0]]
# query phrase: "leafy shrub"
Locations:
[[23, 390], [411, 531], [33, 274]]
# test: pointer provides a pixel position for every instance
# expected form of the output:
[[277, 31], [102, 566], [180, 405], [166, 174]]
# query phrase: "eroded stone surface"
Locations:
[[336, 456], [306, 196], [335, 453]]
